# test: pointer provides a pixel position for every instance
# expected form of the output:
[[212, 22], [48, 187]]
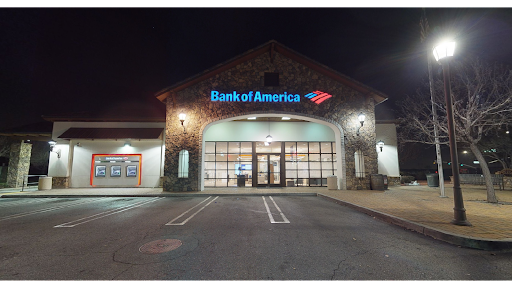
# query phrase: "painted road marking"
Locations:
[[106, 213], [186, 220], [47, 209], [20, 202], [285, 220]]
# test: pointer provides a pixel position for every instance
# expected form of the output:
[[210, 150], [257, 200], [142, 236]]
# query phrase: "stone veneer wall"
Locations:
[[60, 182], [341, 110], [393, 181], [19, 164]]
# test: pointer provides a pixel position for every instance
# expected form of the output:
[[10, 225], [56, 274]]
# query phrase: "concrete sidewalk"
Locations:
[[417, 208]]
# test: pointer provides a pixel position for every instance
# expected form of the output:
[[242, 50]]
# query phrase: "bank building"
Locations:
[[270, 117]]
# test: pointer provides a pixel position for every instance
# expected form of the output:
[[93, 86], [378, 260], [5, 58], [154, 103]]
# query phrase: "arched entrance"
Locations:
[[302, 153]]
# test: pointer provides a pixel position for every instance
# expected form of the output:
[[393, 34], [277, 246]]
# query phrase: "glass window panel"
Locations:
[[275, 147], [221, 174], [326, 147], [302, 182], [209, 183], [315, 182], [303, 165], [232, 173], [324, 181], [314, 174], [209, 157], [326, 157], [291, 173], [246, 157], [232, 183], [261, 148], [302, 147], [209, 147], [314, 157], [327, 172], [233, 147], [221, 183], [291, 182], [291, 165], [333, 147], [234, 157], [314, 165], [221, 147], [314, 147], [246, 147], [221, 157], [232, 165], [209, 165], [326, 165], [302, 157], [221, 165], [290, 147], [303, 173], [290, 157], [333, 157], [208, 174]]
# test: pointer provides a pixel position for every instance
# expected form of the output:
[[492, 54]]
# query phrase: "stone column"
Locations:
[[19, 164]]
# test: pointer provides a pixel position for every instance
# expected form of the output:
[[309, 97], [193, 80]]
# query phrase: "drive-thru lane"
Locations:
[[227, 237]]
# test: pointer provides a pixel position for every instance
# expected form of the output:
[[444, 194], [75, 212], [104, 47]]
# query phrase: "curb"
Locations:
[[456, 239]]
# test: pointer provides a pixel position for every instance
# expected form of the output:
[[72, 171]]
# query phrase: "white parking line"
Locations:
[[285, 220], [47, 209], [186, 220], [20, 202], [106, 213]]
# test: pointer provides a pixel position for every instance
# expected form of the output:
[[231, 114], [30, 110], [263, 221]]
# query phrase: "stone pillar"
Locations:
[[19, 164]]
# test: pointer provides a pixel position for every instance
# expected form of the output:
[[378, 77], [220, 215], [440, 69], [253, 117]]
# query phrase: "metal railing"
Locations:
[[478, 179], [26, 183]]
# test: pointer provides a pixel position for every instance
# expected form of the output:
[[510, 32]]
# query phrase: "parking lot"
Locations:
[[221, 238]]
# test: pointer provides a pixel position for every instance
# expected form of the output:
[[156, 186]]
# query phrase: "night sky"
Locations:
[[56, 60]]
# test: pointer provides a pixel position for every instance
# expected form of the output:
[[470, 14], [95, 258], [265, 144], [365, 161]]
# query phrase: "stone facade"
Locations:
[[60, 182], [19, 164], [341, 110], [393, 181]]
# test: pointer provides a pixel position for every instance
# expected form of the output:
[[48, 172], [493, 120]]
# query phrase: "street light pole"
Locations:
[[443, 54]]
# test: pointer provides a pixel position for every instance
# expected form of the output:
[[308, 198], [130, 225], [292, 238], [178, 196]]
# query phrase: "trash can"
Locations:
[[45, 183], [332, 182], [433, 180], [377, 182], [240, 180]]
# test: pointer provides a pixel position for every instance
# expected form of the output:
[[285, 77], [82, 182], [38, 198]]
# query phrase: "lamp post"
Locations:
[[443, 54]]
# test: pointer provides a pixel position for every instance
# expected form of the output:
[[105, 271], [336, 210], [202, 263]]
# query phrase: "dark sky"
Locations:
[[56, 60]]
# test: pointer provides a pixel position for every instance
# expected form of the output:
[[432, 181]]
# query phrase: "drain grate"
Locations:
[[160, 246]]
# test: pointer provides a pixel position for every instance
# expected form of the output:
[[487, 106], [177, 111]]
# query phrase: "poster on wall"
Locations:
[[101, 171], [131, 171], [115, 171]]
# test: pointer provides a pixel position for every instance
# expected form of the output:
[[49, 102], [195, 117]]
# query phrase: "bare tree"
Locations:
[[482, 104]]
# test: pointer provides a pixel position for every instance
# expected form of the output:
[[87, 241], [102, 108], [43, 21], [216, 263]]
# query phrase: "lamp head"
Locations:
[[444, 50], [182, 117], [269, 139], [380, 144], [361, 118]]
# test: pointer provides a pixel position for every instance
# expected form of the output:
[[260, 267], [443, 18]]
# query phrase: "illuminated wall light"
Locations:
[[285, 118], [251, 118]]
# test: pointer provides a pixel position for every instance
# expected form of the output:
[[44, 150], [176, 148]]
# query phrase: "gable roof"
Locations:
[[271, 47]]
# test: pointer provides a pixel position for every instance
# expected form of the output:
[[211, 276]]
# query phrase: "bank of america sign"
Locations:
[[315, 96]]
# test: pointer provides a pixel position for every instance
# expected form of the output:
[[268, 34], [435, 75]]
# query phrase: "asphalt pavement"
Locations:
[[417, 208]]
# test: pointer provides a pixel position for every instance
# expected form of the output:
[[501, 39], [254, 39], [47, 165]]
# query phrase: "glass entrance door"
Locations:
[[269, 169]]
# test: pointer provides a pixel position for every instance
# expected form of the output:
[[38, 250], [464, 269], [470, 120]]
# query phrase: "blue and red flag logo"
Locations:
[[318, 96]]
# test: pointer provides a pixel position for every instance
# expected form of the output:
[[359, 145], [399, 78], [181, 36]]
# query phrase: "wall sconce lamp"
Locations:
[[78, 144], [361, 118], [127, 144], [380, 144], [182, 119], [52, 146]]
